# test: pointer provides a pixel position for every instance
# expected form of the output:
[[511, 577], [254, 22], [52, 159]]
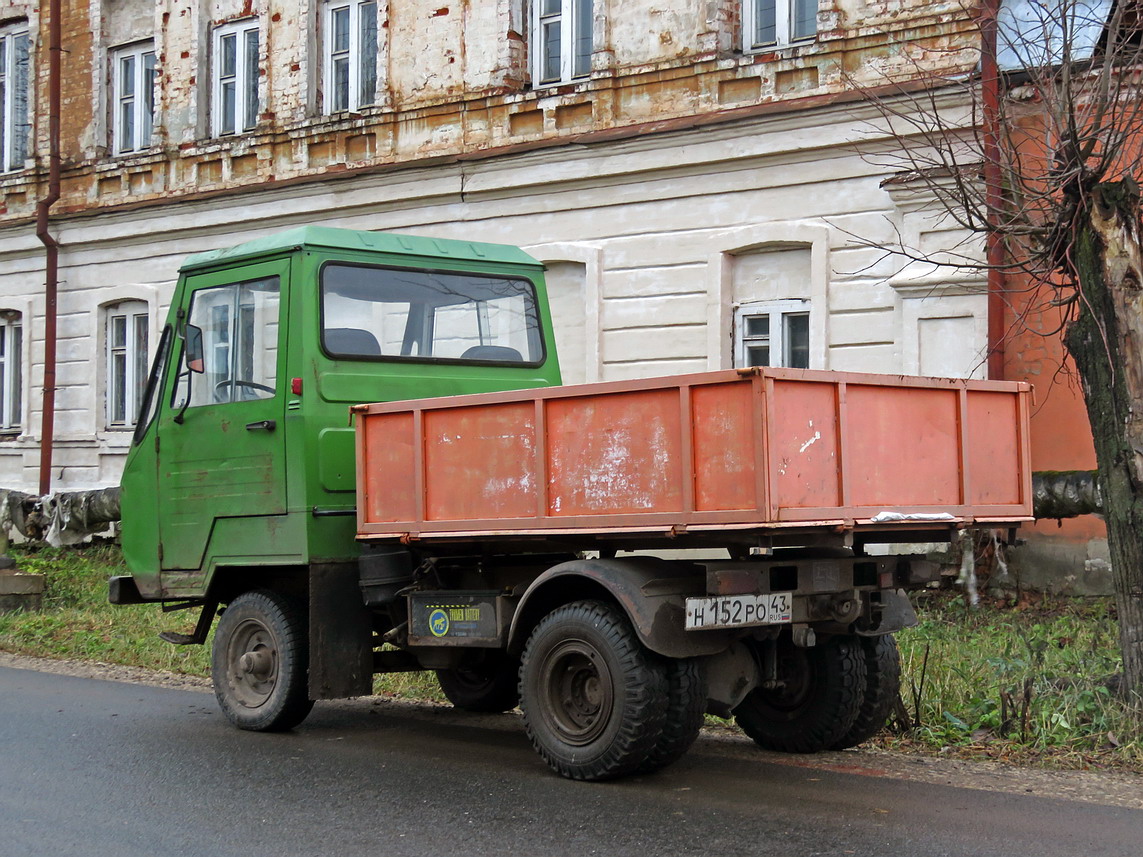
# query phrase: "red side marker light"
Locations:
[[296, 386]]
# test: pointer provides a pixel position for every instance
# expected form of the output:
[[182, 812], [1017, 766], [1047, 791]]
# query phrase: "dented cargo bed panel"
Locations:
[[733, 452]]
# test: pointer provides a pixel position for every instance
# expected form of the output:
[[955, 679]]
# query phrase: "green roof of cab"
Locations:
[[330, 238]]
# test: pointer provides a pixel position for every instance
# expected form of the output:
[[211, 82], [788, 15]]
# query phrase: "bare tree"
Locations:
[[1044, 164]]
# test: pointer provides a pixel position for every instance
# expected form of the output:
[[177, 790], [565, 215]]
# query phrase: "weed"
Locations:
[[1031, 682]]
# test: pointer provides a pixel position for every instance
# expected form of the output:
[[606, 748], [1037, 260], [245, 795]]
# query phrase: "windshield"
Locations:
[[397, 313]]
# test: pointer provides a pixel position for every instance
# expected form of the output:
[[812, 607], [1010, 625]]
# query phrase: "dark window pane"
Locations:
[[21, 121], [757, 325], [127, 77], [341, 84], [765, 22], [797, 344], [805, 23], [758, 355], [251, 95], [368, 59], [227, 61], [148, 94], [583, 37], [339, 24], [551, 49]]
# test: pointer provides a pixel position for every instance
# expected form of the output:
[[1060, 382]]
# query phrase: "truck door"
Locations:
[[221, 439]]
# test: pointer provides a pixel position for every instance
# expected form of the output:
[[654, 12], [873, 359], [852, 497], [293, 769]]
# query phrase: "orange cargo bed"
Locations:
[[713, 457]]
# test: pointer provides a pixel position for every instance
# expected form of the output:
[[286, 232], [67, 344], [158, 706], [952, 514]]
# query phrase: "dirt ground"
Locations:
[[1111, 788]]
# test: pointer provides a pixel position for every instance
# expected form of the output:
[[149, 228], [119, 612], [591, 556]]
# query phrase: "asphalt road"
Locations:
[[95, 768]]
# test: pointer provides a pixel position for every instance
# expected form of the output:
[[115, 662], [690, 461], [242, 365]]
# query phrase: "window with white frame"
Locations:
[[350, 55], [133, 96], [773, 23], [11, 371], [776, 333], [234, 78], [127, 332], [15, 123], [561, 40]]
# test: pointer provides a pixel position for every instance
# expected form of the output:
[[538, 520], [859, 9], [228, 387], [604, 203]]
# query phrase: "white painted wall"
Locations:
[[651, 241]]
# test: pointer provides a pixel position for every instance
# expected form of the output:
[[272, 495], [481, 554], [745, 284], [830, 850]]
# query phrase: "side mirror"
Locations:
[[195, 362]]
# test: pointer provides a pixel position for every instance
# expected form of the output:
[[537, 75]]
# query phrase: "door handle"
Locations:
[[261, 425]]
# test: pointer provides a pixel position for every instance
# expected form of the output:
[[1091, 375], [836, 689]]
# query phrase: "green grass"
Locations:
[[78, 622], [1026, 683], [1031, 681]]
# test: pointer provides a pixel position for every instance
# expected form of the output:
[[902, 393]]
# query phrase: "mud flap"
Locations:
[[341, 633]]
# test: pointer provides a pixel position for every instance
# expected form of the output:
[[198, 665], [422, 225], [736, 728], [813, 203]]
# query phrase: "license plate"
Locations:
[[733, 611]]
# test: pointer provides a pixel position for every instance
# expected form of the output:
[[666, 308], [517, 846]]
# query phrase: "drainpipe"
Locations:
[[51, 248], [993, 195]]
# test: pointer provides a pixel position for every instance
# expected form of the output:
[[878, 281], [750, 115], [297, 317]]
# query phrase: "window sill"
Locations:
[[788, 48], [14, 176], [569, 85]]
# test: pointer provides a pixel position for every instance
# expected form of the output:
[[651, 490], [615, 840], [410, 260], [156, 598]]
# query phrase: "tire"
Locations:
[[259, 662], [882, 685], [488, 687], [823, 690], [686, 706], [594, 700]]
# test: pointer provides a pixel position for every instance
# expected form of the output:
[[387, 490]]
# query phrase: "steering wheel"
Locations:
[[236, 382]]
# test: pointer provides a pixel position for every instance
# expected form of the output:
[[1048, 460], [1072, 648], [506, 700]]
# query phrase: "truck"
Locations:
[[354, 452]]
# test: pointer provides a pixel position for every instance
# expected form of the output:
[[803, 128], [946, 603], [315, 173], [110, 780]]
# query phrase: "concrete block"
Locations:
[[20, 591]]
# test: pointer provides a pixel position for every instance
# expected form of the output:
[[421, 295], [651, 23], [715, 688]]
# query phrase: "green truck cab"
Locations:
[[243, 467]]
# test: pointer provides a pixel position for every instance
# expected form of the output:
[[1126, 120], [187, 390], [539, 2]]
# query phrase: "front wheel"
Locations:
[[594, 700], [259, 662], [816, 701]]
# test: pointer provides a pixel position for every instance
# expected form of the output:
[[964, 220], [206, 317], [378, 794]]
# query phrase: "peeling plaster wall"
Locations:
[[452, 79]]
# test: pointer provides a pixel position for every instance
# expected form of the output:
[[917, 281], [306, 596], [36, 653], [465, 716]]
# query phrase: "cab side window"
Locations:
[[239, 329]]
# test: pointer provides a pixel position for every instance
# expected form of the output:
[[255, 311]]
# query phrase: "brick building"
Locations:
[[703, 179]]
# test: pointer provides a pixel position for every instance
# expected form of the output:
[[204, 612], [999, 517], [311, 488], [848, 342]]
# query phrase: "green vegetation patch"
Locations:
[[1033, 680], [78, 622]]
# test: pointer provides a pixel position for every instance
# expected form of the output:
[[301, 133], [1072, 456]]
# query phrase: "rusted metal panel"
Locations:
[[714, 452], [487, 450], [725, 439], [614, 454]]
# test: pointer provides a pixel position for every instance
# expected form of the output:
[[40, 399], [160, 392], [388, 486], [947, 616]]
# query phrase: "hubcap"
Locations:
[[253, 664], [578, 690]]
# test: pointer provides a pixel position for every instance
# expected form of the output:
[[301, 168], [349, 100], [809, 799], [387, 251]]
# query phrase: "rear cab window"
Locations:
[[386, 313]]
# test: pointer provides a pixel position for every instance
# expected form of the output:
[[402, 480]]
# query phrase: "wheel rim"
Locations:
[[252, 664], [578, 692]]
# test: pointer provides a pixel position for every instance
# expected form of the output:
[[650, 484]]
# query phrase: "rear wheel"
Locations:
[[820, 691], [686, 705], [882, 685], [594, 700], [259, 662], [490, 686]]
